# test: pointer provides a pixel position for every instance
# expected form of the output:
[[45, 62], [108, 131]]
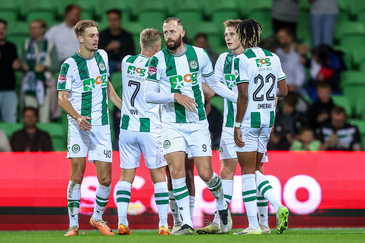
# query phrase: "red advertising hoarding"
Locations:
[[321, 189]]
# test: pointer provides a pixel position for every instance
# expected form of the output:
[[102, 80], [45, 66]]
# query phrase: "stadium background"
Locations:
[[323, 188]]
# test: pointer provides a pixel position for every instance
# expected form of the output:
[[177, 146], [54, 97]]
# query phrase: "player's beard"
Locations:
[[177, 43]]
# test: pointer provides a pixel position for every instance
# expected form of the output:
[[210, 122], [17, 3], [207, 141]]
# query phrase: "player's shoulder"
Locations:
[[70, 61], [103, 53], [224, 55], [198, 50], [129, 58]]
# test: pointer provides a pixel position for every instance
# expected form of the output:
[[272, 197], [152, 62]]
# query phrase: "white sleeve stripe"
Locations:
[[207, 75], [279, 79], [147, 79]]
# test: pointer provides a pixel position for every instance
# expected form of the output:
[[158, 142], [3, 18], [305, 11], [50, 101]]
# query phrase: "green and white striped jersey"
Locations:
[[182, 73], [262, 70], [225, 73], [87, 80], [137, 114]]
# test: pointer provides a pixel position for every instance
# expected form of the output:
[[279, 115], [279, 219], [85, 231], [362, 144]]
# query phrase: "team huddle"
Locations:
[[163, 116]]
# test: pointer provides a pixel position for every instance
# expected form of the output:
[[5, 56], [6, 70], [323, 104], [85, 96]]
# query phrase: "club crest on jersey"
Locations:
[[166, 144], [193, 64], [151, 71], [178, 81], [61, 79], [101, 66]]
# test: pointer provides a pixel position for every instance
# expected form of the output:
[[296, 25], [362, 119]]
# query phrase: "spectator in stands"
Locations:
[[287, 124], [337, 134], [326, 66], [63, 35], [285, 14], [320, 111], [305, 141], [8, 63], [116, 41], [30, 138], [323, 19], [40, 62], [201, 40], [290, 62], [4, 142]]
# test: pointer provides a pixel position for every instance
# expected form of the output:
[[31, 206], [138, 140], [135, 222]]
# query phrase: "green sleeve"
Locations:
[[296, 146], [314, 145]]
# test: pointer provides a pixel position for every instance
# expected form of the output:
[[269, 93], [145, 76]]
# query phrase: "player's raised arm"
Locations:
[[219, 88]]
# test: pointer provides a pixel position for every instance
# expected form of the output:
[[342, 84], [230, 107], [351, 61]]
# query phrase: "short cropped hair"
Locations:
[[338, 110], [201, 35], [291, 99], [30, 109], [82, 25], [116, 11], [4, 22], [70, 7], [178, 21], [288, 31], [232, 23], [149, 37], [324, 85], [41, 22]]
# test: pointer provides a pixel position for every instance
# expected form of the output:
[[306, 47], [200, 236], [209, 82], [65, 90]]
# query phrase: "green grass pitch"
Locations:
[[149, 236]]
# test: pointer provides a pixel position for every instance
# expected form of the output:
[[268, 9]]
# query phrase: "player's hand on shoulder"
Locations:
[[238, 137], [186, 101], [83, 123]]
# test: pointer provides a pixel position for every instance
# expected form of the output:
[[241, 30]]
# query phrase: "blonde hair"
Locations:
[[149, 37], [249, 32], [82, 25], [232, 23]]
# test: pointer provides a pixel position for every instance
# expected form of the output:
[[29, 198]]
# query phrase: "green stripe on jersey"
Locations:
[[255, 119], [227, 68], [272, 118], [170, 63], [153, 64], [104, 108], [237, 68], [101, 64], [82, 66], [230, 114], [192, 58], [179, 109], [64, 70], [86, 103], [131, 59], [144, 124], [199, 101], [249, 53], [125, 122], [267, 53]]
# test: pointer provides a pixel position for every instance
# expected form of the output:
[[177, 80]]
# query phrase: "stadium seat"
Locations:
[[360, 107], [265, 22], [10, 128], [150, 14], [347, 57], [8, 10], [135, 29], [220, 11], [352, 77], [358, 56], [218, 102], [344, 11], [249, 7], [189, 12], [353, 92], [38, 9], [303, 28], [350, 35], [342, 101], [57, 134], [105, 5], [17, 33], [356, 7]]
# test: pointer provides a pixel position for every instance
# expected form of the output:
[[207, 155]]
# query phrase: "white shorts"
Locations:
[[95, 142], [191, 137], [132, 144], [227, 147], [255, 139]]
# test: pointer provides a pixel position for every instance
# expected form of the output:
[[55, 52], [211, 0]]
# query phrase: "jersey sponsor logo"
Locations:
[[132, 70], [75, 148], [193, 64], [101, 66], [178, 81], [166, 144], [263, 61], [151, 71], [89, 84], [230, 80], [61, 79]]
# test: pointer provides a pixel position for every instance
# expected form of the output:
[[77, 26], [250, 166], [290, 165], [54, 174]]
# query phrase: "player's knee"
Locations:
[[105, 181], [206, 175], [226, 174]]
